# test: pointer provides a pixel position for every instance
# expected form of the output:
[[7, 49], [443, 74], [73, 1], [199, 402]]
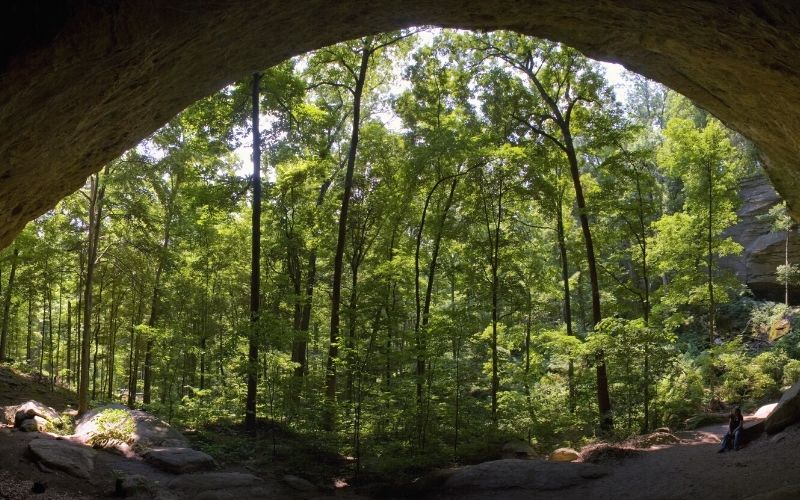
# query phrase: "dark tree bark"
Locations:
[[97, 193], [495, 265], [7, 306], [562, 251], [336, 296], [566, 144], [69, 342], [423, 310], [710, 256], [29, 337], [300, 345], [255, 266]]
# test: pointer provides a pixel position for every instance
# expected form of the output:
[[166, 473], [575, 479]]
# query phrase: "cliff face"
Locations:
[[763, 249]]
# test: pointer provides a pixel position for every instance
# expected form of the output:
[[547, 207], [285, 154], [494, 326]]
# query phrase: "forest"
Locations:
[[414, 247]]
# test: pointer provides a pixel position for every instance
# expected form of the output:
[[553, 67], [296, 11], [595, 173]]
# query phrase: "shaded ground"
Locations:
[[689, 469], [16, 388]]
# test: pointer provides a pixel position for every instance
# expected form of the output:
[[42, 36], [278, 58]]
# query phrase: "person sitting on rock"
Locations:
[[735, 428]]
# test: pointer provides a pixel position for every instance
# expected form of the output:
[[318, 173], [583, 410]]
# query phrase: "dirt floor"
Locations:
[[691, 469]]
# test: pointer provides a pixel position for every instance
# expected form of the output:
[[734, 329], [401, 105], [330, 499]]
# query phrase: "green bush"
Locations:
[[679, 395], [791, 372], [114, 426]]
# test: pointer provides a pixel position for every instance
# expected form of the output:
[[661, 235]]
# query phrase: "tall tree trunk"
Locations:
[[50, 344], [568, 147], [7, 307], [422, 329], [603, 397], [69, 343], [645, 301], [495, 264], [336, 295], [710, 257], [567, 310], [58, 330], [255, 267], [155, 303], [785, 262], [78, 320], [112, 341], [300, 345], [29, 338], [97, 193], [43, 333], [418, 331]]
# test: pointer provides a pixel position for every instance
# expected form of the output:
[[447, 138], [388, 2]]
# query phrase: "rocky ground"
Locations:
[[159, 463]]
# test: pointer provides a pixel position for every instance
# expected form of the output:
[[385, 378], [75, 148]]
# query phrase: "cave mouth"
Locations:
[[83, 81]]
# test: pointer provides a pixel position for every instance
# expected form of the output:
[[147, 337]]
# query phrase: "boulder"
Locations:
[[179, 460], [518, 449], [786, 412], [298, 483], [752, 429], [7, 414], [765, 410], [33, 409], [195, 483], [564, 455], [35, 424], [71, 458], [148, 430], [536, 475], [133, 485]]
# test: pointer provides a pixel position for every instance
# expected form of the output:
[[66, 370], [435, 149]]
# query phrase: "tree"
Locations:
[[95, 198], [563, 81], [7, 306], [255, 267], [781, 222], [708, 166]]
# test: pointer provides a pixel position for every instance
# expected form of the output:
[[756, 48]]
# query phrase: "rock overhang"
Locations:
[[82, 81]]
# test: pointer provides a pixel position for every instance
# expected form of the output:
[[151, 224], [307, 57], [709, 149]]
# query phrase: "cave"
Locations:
[[81, 81]]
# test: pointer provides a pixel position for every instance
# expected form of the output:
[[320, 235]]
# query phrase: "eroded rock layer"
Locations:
[[763, 249], [82, 81]]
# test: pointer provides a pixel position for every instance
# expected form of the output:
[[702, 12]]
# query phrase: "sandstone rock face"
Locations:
[[59, 454], [763, 250], [523, 474], [786, 413], [82, 81]]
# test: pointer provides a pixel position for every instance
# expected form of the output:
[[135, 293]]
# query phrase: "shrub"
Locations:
[[679, 395], [791, 372], [114, 426]]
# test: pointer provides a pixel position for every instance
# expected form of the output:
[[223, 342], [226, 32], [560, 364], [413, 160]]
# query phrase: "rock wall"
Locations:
[[763, 249], [83, 80]]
